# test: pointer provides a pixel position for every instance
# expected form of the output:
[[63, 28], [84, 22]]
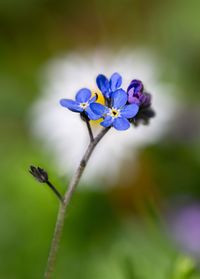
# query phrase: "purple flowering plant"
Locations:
[[121, 108]]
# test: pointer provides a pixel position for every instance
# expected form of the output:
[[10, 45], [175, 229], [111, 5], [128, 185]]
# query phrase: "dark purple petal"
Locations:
[[115, 82], [132, 95], [119, 98], [147, 100], [129, 111], [98, 109], [107, 121], [133, 100], [71, 105], [91, 114], [121, 123], [135, 86], [83, 95], [103, 84]]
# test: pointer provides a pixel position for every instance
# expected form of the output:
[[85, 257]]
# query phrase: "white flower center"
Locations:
[[114, 112], [84, 105]]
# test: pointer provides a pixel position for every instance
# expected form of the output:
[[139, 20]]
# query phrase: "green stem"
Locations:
[[64, 205]]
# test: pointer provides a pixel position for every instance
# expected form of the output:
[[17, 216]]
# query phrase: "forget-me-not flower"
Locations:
[[82, 102], [118, 114], [107, 87], [60, 81]]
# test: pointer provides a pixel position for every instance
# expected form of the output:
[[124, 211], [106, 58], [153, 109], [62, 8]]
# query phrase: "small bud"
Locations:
[[146, 100], [39, 174], [135, 87]]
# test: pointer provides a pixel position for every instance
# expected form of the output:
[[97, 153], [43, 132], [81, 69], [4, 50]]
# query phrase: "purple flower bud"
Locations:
[[145, 100], [134, 100], [136, 94], [135, 86]]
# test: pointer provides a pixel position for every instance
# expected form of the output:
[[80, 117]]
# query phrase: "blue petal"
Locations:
[[83, 95], [107, 95], [121, 123], [107, 121], [91, 114], [119, 98], [72, 105], [93, 99], [103, 84], [98, 109], [129, 110], [115, 81]]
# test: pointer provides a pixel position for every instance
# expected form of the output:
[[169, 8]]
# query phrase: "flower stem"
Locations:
[[55, 191], [64, 205], [90, 130]]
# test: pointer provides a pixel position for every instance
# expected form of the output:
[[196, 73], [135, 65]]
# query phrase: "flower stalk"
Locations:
[[64, 205], [120, 110], [56, 192], [89, 130]]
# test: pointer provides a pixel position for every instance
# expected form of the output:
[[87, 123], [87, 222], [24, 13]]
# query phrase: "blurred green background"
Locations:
[[119, 233]]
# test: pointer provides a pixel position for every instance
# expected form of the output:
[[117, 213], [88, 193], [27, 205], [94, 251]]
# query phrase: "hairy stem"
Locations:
[[64, 205]]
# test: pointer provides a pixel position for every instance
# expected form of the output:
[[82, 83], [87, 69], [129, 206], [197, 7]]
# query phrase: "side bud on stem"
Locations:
[[42, 176]]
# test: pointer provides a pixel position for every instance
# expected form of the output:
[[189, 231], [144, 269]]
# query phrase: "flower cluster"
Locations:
[[121, 107]]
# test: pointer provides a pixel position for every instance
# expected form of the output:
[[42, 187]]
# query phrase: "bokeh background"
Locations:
[[151, 227]]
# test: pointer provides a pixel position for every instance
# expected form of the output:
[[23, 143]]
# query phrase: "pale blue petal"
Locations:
[[72, 105], [103, 84], [107, 121], [91, 114], [129, 111], [119, 98], [121, 123], [115, 81], [83, 95], [98, 109]]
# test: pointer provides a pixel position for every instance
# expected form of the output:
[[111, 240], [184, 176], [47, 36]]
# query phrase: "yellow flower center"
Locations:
[[84, 105], [114, 112]]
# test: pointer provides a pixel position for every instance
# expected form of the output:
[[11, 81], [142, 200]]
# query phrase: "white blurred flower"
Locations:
[[63, 132]]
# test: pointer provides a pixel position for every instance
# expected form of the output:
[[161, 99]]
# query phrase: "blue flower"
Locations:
[[107, 87], [118, 114], [82, 103]]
